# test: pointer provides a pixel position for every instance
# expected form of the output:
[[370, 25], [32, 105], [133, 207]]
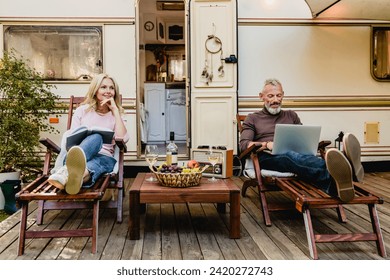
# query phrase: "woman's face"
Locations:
[[106, 90]]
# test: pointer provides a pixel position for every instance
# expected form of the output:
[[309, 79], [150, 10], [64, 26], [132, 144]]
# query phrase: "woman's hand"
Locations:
[[110, 103]]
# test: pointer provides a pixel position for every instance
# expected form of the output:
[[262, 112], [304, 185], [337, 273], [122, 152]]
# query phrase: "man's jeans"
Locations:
[[97, 164], [309, 168]]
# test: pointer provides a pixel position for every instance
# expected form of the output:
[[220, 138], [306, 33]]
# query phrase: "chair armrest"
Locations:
[[261, 149], [248, 151], [50, 145], [323, 144], [121, 144]]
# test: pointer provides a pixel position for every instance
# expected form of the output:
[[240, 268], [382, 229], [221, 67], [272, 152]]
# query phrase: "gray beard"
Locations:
[[273, 111]]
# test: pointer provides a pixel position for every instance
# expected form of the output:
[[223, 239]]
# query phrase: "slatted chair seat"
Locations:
[[51, 198], [307, 197], [54, 199]]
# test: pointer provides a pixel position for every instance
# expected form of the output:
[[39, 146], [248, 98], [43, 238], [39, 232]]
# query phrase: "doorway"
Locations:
[[162, 93]]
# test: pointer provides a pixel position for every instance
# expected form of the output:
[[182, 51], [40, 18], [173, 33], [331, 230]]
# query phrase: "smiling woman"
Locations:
[[84, 163]]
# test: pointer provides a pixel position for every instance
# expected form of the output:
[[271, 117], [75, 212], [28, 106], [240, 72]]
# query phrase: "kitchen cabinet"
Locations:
[[176, 114], [155, 111]]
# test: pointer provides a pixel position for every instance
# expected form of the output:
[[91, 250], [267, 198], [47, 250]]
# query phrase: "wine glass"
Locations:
[[213, 158], [151, 155]]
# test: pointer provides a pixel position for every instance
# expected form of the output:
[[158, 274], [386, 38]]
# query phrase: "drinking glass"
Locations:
[[213, 158], [151, 155]]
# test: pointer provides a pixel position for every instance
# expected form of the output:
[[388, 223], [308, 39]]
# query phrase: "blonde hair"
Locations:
[[90, 97]]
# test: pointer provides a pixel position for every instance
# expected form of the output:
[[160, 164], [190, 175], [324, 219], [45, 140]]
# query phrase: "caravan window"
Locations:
[[61, 53], [381, 53]]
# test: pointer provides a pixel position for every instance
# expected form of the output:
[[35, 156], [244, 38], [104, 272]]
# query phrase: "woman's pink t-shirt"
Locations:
[[89, 118]]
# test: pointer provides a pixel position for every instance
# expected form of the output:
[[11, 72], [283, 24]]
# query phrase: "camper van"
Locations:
[[187, 67]]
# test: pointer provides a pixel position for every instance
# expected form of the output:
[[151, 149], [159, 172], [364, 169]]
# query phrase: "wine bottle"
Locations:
[[172, 150]]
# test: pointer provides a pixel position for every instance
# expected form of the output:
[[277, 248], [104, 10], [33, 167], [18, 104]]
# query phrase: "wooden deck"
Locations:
[[198, 231]]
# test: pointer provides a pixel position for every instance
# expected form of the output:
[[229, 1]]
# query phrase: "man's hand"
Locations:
[[260, 144], [269, 145]]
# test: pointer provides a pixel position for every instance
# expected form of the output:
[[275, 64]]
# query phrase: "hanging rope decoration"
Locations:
[[213, 45]]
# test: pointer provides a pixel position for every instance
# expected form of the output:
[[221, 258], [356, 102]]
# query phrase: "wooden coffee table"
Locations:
[[221, 192]]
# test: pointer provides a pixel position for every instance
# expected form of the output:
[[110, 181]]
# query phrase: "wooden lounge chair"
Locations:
[[264, 180], [307, 196], [50, 198]]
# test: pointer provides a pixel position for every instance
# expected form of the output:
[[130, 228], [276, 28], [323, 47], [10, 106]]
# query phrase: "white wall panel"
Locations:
[[119, 56], [309, 60], [214, 121]]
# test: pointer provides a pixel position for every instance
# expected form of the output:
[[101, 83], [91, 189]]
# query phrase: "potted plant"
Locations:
[[25, 103]]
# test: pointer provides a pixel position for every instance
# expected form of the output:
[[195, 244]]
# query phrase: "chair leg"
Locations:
[[40, 212], [246, 185], [310, 234], [119, 210], [23, 227], [95, 226], [377, 229], [341, 214], [264, 206]]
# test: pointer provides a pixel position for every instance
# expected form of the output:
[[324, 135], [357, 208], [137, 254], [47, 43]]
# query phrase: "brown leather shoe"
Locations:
[[352, 151], [341, 171]]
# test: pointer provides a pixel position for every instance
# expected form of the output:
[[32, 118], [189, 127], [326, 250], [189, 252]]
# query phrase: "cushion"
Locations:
[[249, 171]]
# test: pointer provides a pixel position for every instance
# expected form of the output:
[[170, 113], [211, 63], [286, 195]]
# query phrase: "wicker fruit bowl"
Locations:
[[179, 180]]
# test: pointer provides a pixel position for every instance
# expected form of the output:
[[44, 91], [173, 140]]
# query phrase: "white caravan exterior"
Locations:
[[321, 54]]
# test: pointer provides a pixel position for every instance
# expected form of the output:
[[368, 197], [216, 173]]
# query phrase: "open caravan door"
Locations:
[[213, 73]]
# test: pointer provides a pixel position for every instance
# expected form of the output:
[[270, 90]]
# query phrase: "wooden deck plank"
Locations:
[[56, 245], [152, 233], [204, 232], [264, 237], [133, 248], [170, 244], [188, 241], [116, 240], [364, 250], [34, 247], [228, 246], [198, 231], [75, 246]]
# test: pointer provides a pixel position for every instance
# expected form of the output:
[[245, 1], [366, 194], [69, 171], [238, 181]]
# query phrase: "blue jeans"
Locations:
[[97, 164], [311, 169]]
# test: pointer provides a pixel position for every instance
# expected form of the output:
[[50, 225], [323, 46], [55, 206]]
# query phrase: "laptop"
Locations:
[[302, 139]]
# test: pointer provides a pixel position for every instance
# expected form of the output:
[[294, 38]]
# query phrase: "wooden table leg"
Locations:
[[234, 214], [134, 217]]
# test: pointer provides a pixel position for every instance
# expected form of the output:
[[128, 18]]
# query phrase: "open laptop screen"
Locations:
[[302, 139]]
